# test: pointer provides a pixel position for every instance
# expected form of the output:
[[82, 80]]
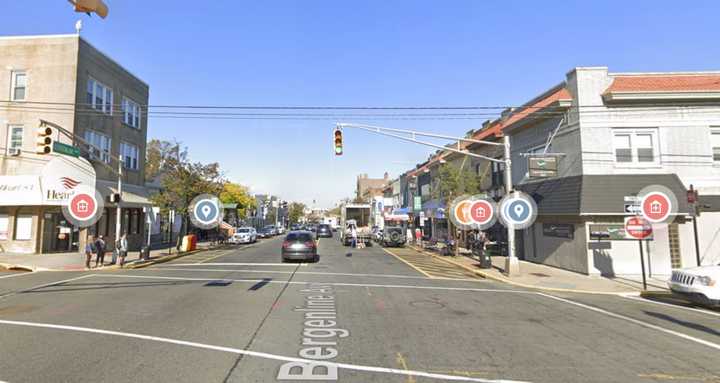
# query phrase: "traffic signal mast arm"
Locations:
[[413, 134], [511, 262]]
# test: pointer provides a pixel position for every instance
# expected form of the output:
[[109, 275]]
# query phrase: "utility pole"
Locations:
[[512, 265]]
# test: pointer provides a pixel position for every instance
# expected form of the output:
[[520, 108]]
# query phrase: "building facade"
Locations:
[[64, 80]]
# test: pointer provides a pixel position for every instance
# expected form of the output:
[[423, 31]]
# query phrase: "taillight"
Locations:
[[285, 244], [310, 244]]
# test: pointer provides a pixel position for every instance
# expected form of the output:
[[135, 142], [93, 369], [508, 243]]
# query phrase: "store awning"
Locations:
[[132, 195], [598, 194]]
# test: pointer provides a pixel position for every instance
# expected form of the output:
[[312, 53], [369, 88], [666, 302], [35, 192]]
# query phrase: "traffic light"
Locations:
[[338, 142], [44, 140], [91, 6]]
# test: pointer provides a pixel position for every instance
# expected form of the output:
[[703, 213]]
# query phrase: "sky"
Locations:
[[362, 53]]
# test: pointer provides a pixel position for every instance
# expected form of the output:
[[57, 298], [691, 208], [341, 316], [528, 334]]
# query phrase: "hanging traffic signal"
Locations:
[[338, 142], [91, 6], [44, 140]]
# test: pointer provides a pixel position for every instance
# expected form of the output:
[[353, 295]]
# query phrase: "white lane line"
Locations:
[[264, 355], [635, 321], [233, 264], [309, 273], [701, 311], [15, 275], [326, 283]]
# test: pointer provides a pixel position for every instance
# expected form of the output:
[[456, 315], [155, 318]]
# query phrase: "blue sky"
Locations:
[[364, 53]]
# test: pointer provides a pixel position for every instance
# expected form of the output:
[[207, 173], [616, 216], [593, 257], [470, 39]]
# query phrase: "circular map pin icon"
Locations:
[[518, 210], [205, 211], [84, 207]]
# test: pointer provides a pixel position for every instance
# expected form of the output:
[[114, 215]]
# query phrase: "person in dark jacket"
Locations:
[[100, 248]]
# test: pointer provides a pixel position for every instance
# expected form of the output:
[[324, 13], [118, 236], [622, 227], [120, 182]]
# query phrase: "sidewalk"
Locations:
[[543, 277], [76, 261]]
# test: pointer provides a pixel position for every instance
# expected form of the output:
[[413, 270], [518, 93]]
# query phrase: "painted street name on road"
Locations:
[[320, 326]]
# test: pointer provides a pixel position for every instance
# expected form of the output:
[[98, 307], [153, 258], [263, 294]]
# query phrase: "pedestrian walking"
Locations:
[[123, 249], [353, 235], [89, 250], [100, 248], [418, 236]]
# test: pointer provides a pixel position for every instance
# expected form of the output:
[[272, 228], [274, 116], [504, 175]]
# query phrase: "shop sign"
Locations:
[[61, 177], [608, 232], [20, 190], [559, 230]]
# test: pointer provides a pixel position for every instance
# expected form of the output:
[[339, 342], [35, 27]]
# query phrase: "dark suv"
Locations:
[[394, 236], [324, 230]]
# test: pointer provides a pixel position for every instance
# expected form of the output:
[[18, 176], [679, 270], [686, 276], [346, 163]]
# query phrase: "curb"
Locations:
[[9, 266], [167, 258], [656, 294], [518, 284]]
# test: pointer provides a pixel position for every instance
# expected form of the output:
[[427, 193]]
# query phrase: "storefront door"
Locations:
[[58, 234]]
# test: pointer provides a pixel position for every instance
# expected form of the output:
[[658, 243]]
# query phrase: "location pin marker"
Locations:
[[519, 210], [205, 211]]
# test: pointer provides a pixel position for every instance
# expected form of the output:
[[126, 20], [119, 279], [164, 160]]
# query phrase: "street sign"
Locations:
[[632, 208], [610, 232], [68, 150], [417, 203], [656, 207], [638, 228], [518, 210], [540, 166]]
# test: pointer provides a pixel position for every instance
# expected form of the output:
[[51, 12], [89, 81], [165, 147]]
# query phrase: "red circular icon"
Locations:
[[638, 227], [82, 206], [481, 212], [656, 207]]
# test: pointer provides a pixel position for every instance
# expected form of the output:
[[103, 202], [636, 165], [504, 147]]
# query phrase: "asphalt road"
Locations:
[[239, 315]]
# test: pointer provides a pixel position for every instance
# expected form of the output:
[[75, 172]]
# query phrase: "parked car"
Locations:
[[393, 236], [265, 232], [244, 235], [697, 284], [295, 227], [271, 229], [281, 230], [324, 231], [299, 245]]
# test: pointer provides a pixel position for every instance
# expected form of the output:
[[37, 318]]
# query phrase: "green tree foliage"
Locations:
[[453, 181], [296, 212], [238, 194], [161, 155]]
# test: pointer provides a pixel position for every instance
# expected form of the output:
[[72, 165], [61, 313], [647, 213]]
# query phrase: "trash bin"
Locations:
[[485, 260]]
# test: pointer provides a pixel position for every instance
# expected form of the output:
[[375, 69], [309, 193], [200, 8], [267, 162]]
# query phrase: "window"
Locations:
[[715, 142], [23, 227], [635, 146], [129, 154], [4, 226], [131, 113], [99, 96], [100, 149], [19, 86], [15, 139]]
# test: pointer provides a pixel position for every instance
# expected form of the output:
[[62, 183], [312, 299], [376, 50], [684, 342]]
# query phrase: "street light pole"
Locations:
[[118, 209]]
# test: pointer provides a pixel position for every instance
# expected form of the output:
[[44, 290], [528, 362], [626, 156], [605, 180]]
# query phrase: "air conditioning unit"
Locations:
[[14, 152]]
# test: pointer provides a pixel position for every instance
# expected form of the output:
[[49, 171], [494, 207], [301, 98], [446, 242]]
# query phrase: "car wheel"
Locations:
[[317, 258]]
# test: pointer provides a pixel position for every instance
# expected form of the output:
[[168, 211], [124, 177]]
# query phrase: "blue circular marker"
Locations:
[[518, 210], [205, 211]]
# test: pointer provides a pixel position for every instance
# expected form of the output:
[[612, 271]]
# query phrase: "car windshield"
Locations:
[[530, 191], [299, 237]]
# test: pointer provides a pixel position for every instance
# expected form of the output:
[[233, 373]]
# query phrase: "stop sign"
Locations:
[[638, 228]]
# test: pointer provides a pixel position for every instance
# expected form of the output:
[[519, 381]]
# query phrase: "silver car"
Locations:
[[300, 245]]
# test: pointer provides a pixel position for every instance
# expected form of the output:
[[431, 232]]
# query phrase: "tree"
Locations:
[[162, 155], [240, 195], [183, 181], [296, 212], [452, 182]]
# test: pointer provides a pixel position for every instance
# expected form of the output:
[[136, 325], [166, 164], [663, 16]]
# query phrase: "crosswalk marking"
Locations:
[[431, 267]]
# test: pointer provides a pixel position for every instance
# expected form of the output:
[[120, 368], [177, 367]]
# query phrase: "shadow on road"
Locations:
[[102, 286], [694, 326]]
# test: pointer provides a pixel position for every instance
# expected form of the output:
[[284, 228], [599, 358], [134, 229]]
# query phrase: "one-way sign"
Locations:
[[632, 208]]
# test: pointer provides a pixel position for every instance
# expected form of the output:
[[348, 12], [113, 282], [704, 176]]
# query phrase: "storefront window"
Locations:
[[134, 222], [125, 221], [23, 227], [4, 226]]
